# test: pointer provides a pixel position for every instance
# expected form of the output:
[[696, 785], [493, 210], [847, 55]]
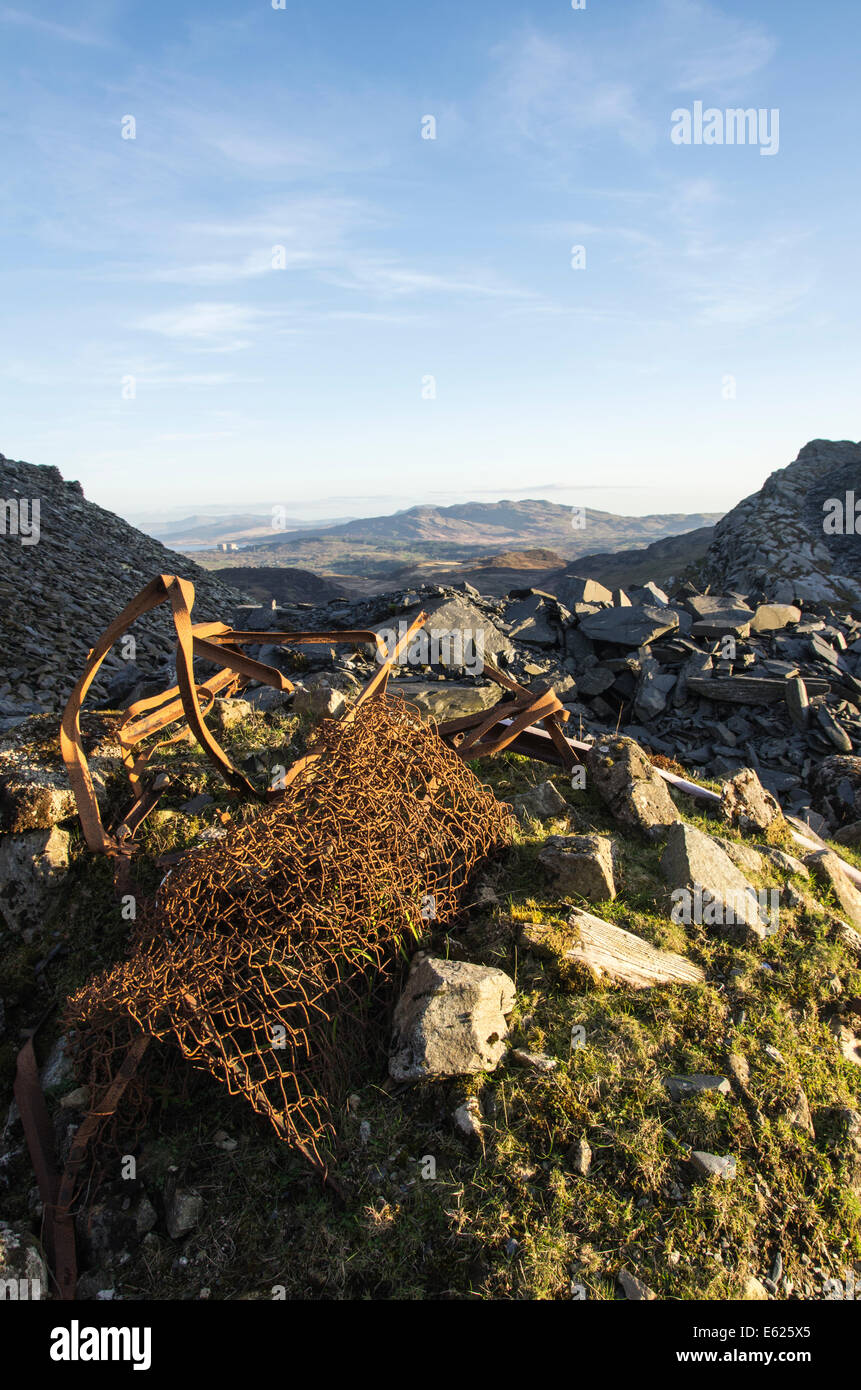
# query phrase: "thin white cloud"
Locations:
[[49, 29], [391, 280], [560, 95], [211, 326], [711, 49]]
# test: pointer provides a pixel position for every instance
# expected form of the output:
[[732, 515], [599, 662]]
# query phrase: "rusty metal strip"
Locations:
[[58, 1191]]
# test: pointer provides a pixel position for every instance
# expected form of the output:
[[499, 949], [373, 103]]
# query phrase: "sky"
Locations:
[[235, 270]]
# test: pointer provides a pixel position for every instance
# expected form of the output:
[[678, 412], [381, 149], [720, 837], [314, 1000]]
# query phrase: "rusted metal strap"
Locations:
[[58, 1191], [472, 735], [214, 642]]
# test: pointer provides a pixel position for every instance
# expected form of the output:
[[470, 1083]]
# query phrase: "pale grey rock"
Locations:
[[460, 633], [31, 866], [450, 1020], [628, 785], [467, 1119], [693, 861], [634, 1288], [799, 1115], [581, 864], [543, 802], [653, 689], [535, 1061], [581, 1157], [228, 714], [699, 1083], [828, 869], [714, 1166], [753, 1290], [183, 1213], [744, 858], [771, 617], [443, 700], [746, 804], [23, 1272], [848, 1041]]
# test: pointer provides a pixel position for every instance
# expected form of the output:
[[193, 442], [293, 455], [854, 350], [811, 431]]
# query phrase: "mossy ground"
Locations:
[[430, 1214]]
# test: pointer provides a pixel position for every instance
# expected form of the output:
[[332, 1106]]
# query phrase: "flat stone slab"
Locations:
[[722, 1168], [576, 590], [771, 617], [629, 627], [606, 949], [683, 1087], [442, 700]]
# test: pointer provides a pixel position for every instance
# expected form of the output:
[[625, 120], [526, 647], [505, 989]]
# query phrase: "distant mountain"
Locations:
[[476, 526], [201, 530]]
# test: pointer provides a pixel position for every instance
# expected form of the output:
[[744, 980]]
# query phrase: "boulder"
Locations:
[[707, 884], [443, 700], [630, 787], [456, 633], [581, 864], [450, 1020], [746, 804], [715, 615], [543, 802], [835, 786], [227, 714], [33, 797], [23, 1272], [31, 865], [595, 681], [324, 694], [828, 869], [771, 617], [636, 626], [531, 621], [576, 590]]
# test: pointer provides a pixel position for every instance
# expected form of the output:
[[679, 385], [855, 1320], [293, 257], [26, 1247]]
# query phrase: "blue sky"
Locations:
[[408, 258]]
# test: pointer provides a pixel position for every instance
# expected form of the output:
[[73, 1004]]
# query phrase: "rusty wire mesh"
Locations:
[[263, 951]]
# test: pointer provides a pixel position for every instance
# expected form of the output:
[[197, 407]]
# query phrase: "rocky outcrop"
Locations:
[[62, 585], [780, 538]]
